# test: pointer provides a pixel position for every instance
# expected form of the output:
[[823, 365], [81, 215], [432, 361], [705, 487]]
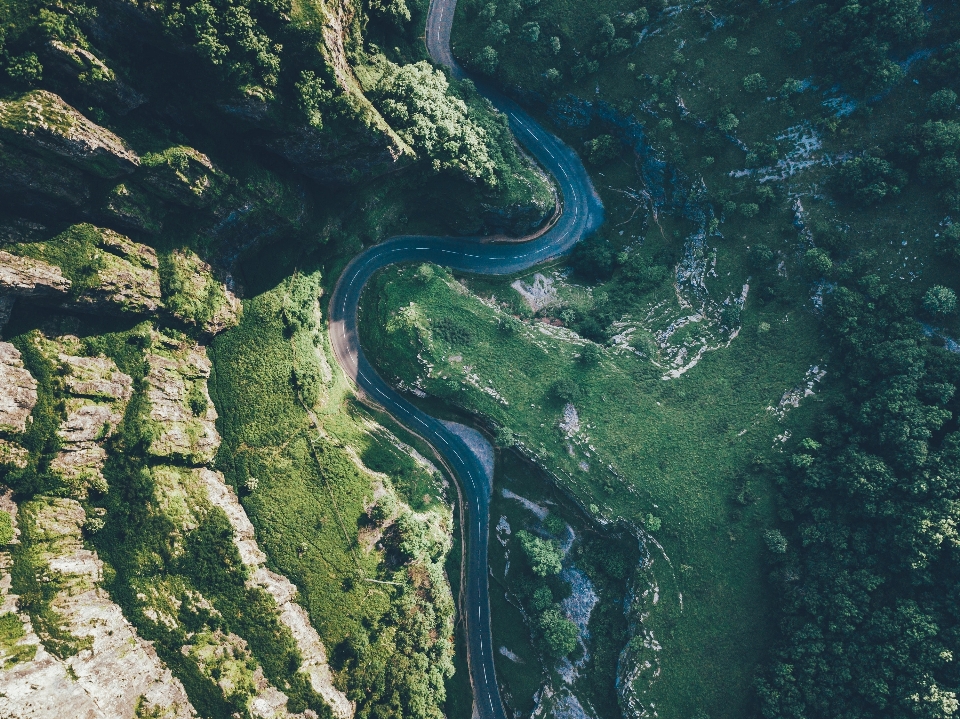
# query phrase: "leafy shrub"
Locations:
[[543, 555], [869, 180], [559, 633], [601, 149], [565, 390], [940, 300], [453, 331]]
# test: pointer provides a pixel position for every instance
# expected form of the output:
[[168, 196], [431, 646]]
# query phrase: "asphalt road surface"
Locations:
[[582, 214]]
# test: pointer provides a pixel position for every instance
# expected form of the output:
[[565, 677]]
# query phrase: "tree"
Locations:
[[749, 209], [590, 354], [754, 83], [817, 261], [555, 45], [775, 541], [419, 104], [530, 32], [601, 149], [486, 60], [6, 529], [312, 97], [605, 28], [940, 300], [869, 179], [565, 390], [559, 633], [942, 102], [542, 598], [505, 437], [543, 555], [497, 32], [728, 122]]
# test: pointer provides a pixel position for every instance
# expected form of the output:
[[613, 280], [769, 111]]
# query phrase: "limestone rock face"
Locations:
[[96, 377], [18, 390], [180, 407], [127, 276], [292, 615], [43, 122], [182, 175], [338, 161], [115, 673], [124, 276], [91, 73], [26, 277], [41, 184], [195, 296], [99, 392]]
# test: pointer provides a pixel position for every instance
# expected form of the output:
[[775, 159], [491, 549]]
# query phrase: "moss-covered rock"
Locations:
[[193, 295], [87, 72], [105, 270], [132, 209], [183, 175], [32, 181], [181, 416], [18, 391], [43, 122]]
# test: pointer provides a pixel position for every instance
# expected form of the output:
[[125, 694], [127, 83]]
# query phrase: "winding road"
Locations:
[[582, 214]]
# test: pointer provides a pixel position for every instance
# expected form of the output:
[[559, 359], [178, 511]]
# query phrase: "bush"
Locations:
[[869, 179], [486, 61], [6, 529], [543, 555], [601, 149], [754, 83], [940, 300], [565, 390], [559, 633]]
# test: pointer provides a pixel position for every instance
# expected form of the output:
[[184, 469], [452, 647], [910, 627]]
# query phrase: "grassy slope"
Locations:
[[309, 507], [677, 446]]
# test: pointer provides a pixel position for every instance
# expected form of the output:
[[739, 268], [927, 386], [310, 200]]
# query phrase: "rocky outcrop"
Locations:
[[182, 175], [26, 277], [88, 72], [43, 122], [115, 674], [34, 182], [18, 391], [96, 377], [193, 295], [132, 210], [98, 393], [292, 615], [124, 276], [339, 159], [181, 413]]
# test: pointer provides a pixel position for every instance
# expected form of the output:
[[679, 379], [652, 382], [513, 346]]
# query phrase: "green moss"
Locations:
[[189, 290], [11, 632], [37, 585]]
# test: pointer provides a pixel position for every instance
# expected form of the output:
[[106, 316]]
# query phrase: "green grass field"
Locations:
[[680, 450]]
